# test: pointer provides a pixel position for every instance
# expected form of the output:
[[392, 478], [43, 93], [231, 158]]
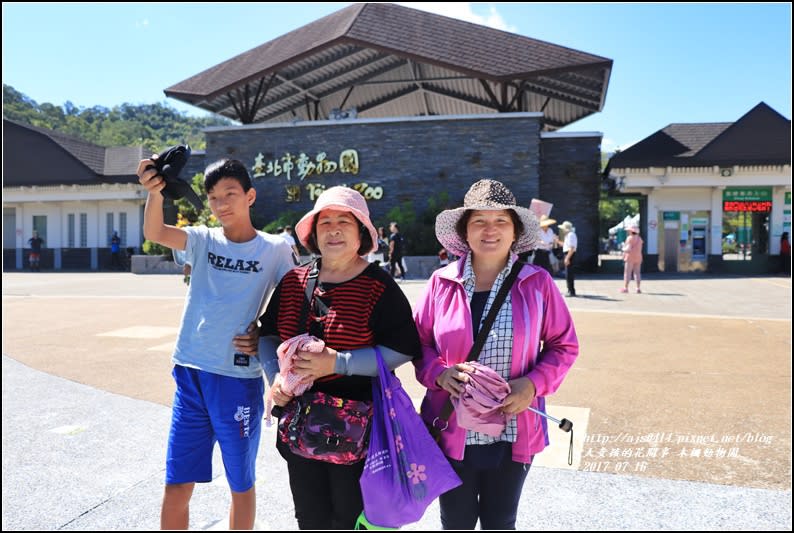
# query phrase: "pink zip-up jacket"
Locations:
[[443, 319]]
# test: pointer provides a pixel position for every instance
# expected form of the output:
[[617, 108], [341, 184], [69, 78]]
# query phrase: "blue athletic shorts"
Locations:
[[209, 408]]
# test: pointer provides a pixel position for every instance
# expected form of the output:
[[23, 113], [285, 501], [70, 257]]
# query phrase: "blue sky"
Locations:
[[672, 62]]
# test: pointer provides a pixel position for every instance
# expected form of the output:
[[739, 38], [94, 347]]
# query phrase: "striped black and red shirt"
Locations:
[[367, 310]]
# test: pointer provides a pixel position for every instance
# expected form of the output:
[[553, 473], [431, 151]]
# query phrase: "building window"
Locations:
[[109, 227], [9, 227], [40, 227], [123, 228], [83, 230], [70, 230]]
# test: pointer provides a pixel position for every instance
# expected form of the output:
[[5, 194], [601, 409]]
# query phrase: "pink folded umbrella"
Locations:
[[479, 407], [292, 383]]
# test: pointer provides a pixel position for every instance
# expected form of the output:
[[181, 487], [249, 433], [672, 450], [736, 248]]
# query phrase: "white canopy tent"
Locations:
[[626, 223]]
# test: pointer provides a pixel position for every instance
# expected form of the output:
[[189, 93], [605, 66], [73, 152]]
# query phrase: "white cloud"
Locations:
[[463, 11], [142, 23], [610, 145]]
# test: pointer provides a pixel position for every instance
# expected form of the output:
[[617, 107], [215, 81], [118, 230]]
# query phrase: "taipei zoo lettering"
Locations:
[[303, 166], [316, 189]]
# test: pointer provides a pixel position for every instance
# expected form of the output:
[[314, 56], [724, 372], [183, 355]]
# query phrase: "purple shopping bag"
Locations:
[[405, 469]]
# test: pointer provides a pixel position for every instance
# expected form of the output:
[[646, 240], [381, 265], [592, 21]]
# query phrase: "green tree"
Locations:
[[418, 230], [611, 211], [153, 126]]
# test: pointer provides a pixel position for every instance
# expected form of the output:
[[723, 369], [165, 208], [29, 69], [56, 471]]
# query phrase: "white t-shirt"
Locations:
[[228, 286], [569, 242], [546, 238], [287, 237]]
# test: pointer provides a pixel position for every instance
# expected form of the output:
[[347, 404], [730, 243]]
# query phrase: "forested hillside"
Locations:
[[155, 126]]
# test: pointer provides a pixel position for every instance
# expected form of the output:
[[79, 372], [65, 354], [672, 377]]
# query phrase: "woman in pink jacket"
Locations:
[[632, 258], [532, 345]]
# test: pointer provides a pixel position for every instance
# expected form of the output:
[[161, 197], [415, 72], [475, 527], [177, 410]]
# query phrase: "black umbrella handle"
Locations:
[[564, 424]]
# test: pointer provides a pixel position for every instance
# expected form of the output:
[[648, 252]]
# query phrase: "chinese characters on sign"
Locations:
[[747, 199], [301, 166], [305, 167], [747, 206]]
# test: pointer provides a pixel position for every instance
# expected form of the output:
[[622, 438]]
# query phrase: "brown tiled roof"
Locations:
[[392, 53], [266, 57], [761, 136], [695, 136], [122, 160], [463, 46], [89, 154], [40, 156]]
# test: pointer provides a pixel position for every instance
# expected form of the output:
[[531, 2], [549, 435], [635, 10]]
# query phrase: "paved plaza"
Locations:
[[680, 399]]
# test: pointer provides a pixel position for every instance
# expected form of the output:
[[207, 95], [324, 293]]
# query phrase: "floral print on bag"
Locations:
[[326, 428]]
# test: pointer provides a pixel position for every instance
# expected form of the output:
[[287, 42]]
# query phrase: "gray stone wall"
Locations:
[[409, 160], [195, 164], [570, 179]]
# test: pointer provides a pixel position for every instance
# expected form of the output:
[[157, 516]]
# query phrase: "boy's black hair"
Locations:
[[226, 168]]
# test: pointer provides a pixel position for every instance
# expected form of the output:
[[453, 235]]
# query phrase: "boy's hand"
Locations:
[[147, 176], [280, 397], [248, 342]]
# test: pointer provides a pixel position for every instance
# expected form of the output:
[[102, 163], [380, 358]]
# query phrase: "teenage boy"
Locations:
[[219, 386]]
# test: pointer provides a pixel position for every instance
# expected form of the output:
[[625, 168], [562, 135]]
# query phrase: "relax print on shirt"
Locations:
[[232, 265]]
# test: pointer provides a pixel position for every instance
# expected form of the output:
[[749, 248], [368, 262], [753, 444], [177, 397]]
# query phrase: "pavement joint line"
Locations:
[[95, 297], [675, 315]]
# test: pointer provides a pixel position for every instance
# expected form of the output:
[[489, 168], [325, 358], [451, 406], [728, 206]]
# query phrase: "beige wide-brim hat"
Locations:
[[568, 226], [486, 195], [545, 221], [342, 199]]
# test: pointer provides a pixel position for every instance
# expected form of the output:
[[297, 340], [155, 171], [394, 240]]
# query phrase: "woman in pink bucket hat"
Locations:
[[632, 258], [350, 305], [531, 345]]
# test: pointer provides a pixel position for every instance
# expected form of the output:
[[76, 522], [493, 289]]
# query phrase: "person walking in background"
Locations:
[[531, 346], [396, 249], [180, 259], [569, 245], [443, 257], [548, 240], [785, 253], [34, 258], [380, 255], [383, 243], [286, 234], [632, 258], [350, 306], [115, 250], [219, 386]]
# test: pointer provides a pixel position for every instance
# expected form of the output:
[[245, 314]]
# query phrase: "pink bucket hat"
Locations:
[[482, 196], [342, 199]]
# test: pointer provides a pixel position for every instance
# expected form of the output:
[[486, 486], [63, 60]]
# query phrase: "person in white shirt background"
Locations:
[[286, 234], [548, 240], [569, 245]]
